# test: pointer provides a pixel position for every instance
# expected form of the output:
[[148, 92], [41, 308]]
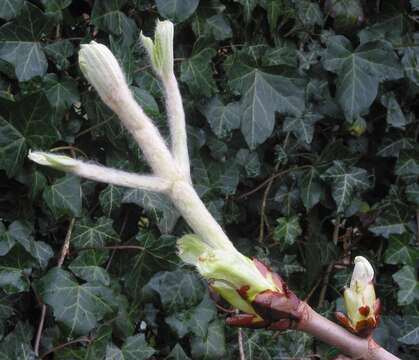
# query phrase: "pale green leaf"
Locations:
[[409, 286]]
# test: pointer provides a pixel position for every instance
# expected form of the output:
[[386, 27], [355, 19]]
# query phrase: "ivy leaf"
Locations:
[[17, 344], [212, 346], [32, 117], [287, 197], [395, 116], [309, 13], [177, 11], [134, 348], [12, 148], [110, 198], [262, 95], [311, 189], [10, 8], [157, 205], [78, 307], [55, 5], [359, 72], [177, 353], [392, 147], [219, 27], [302, 125], [414, 4], [20, 42], [248, 6], [195, 320], [409, 286], [60, 51], [14, 270], [7, 240], [197, 73], [393, 220], [346, 181], [407, 163], [156, 254], [178, 290], [61, 93], [222, 118], [412, 193], [411, 334], [400, 251], [87, 266], [64, 196], [287, 230], [106, 15], [96, 234]]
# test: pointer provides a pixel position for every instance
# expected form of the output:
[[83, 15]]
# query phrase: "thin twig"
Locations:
[[271, 178], [240, 340], [64, 252], [66, 246], [263, 206], [325, 285], [58, 347], [417, 226]]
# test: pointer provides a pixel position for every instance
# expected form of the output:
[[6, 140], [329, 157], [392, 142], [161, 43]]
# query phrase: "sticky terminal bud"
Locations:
[[361, 304], [234, 276]]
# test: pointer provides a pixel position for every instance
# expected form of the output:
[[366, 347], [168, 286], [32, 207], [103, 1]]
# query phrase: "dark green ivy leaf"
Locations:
[[134, 348], [248, 6], [63, 197], [87, 266], [262, 95], [12, 148], [400, 250], [177, 353], [175, 10], [211, 346], [107, 16], [346, 181], [287, 230], [78, 307], [10, 8], [359, 72], [219, 27], [178, 290], [302, 125], [95, 234], [222, 118], [20, 42], [55, 5], [409, 286], [197, 73]]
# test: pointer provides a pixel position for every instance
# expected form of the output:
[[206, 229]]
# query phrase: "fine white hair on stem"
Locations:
[[160, 53], [177, 124], [100, 173]]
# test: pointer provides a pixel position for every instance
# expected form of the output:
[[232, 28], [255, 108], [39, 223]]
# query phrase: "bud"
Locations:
[[101, 69], [234, 276], [361, 305], [161, 50], [59, 162]]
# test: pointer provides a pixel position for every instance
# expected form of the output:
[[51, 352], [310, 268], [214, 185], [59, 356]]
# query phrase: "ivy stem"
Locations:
[[417, 226], [240, 340], [64, 252]]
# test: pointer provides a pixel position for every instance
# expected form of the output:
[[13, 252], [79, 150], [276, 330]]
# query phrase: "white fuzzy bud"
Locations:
[[160, 50], [102, 70], [60, 162]]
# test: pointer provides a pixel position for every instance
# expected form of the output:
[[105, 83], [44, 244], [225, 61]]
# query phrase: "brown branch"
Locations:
[[64, 252], [335, 335]]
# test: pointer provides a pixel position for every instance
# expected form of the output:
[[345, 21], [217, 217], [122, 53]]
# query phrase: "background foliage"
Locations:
[[303, 134]]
